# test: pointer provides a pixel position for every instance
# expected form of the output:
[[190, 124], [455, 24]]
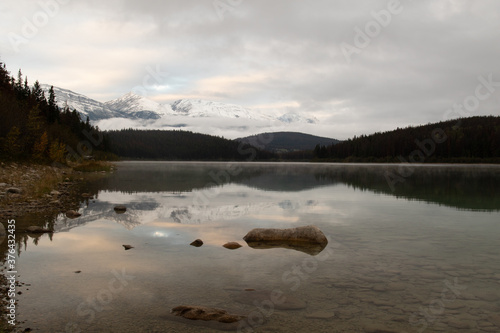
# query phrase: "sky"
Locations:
[[359, 67]]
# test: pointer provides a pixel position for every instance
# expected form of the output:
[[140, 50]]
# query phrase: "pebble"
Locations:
[[232, 245], [197, 243]]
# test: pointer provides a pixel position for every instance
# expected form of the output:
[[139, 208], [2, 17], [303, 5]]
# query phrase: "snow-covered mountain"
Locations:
[[203, 108], [129, 106], [138, 107], [85, 106], [135, 111]]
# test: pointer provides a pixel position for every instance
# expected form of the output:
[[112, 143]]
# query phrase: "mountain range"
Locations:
[[209, 117]]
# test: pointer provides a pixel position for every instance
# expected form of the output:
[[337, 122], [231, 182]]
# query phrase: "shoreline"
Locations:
[[34, 189]]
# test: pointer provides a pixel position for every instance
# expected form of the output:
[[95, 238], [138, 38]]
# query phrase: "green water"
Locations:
[[422, 256]]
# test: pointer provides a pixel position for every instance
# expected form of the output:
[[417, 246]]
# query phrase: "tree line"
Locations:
[[180, 145], [33, 127], [472, 139]]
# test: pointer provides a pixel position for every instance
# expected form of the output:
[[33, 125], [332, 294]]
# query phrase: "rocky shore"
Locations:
[[33, 189]]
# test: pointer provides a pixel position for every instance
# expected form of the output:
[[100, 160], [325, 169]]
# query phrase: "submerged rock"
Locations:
[[279, 299], [309, 239], [37, 230], [197, 243], [232, 245], [206, 317], [120, 209], [321, 314], [72, 214]]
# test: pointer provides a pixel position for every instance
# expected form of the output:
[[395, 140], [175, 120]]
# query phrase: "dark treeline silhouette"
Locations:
[[33, 127], [474, 139], [180, 145]]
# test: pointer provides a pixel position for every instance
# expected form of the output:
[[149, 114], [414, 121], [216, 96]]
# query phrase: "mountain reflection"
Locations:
[[462, 187]]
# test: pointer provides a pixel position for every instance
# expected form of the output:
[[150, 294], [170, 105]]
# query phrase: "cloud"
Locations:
[[281, 56]]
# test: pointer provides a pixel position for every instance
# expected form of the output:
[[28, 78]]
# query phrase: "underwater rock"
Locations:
[[120, 209], [206, 317], [279, 299], [37, 230]]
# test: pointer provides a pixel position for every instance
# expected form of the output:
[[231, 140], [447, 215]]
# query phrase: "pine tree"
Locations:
[[37, 92], [57, 151], [33, 127], [40, 147], [53, 110], [11, 145], [52, 98]]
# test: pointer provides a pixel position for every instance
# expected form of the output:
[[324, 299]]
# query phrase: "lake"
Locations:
[[420, 254]]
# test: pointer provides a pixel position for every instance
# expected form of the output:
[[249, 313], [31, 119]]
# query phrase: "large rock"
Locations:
[[309, 239]]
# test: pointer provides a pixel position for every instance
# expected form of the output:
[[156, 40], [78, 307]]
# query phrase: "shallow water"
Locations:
[[423, 256]]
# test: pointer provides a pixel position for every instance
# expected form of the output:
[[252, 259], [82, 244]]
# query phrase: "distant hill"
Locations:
[[180, 146], [464, 140], [287, 141]]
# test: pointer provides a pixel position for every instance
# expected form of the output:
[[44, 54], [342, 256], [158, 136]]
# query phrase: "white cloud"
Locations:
[[282, 55]]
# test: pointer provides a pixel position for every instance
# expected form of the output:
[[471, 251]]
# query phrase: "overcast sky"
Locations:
[[357, 66]]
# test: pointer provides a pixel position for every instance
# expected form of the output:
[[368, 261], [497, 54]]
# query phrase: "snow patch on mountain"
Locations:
[[137, 106], [204, 108], [296, 118]]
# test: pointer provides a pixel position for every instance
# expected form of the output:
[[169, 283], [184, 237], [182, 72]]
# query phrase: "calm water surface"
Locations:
[[423, 256]]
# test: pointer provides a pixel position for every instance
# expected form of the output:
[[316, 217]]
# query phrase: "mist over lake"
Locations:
[[422, 257]]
